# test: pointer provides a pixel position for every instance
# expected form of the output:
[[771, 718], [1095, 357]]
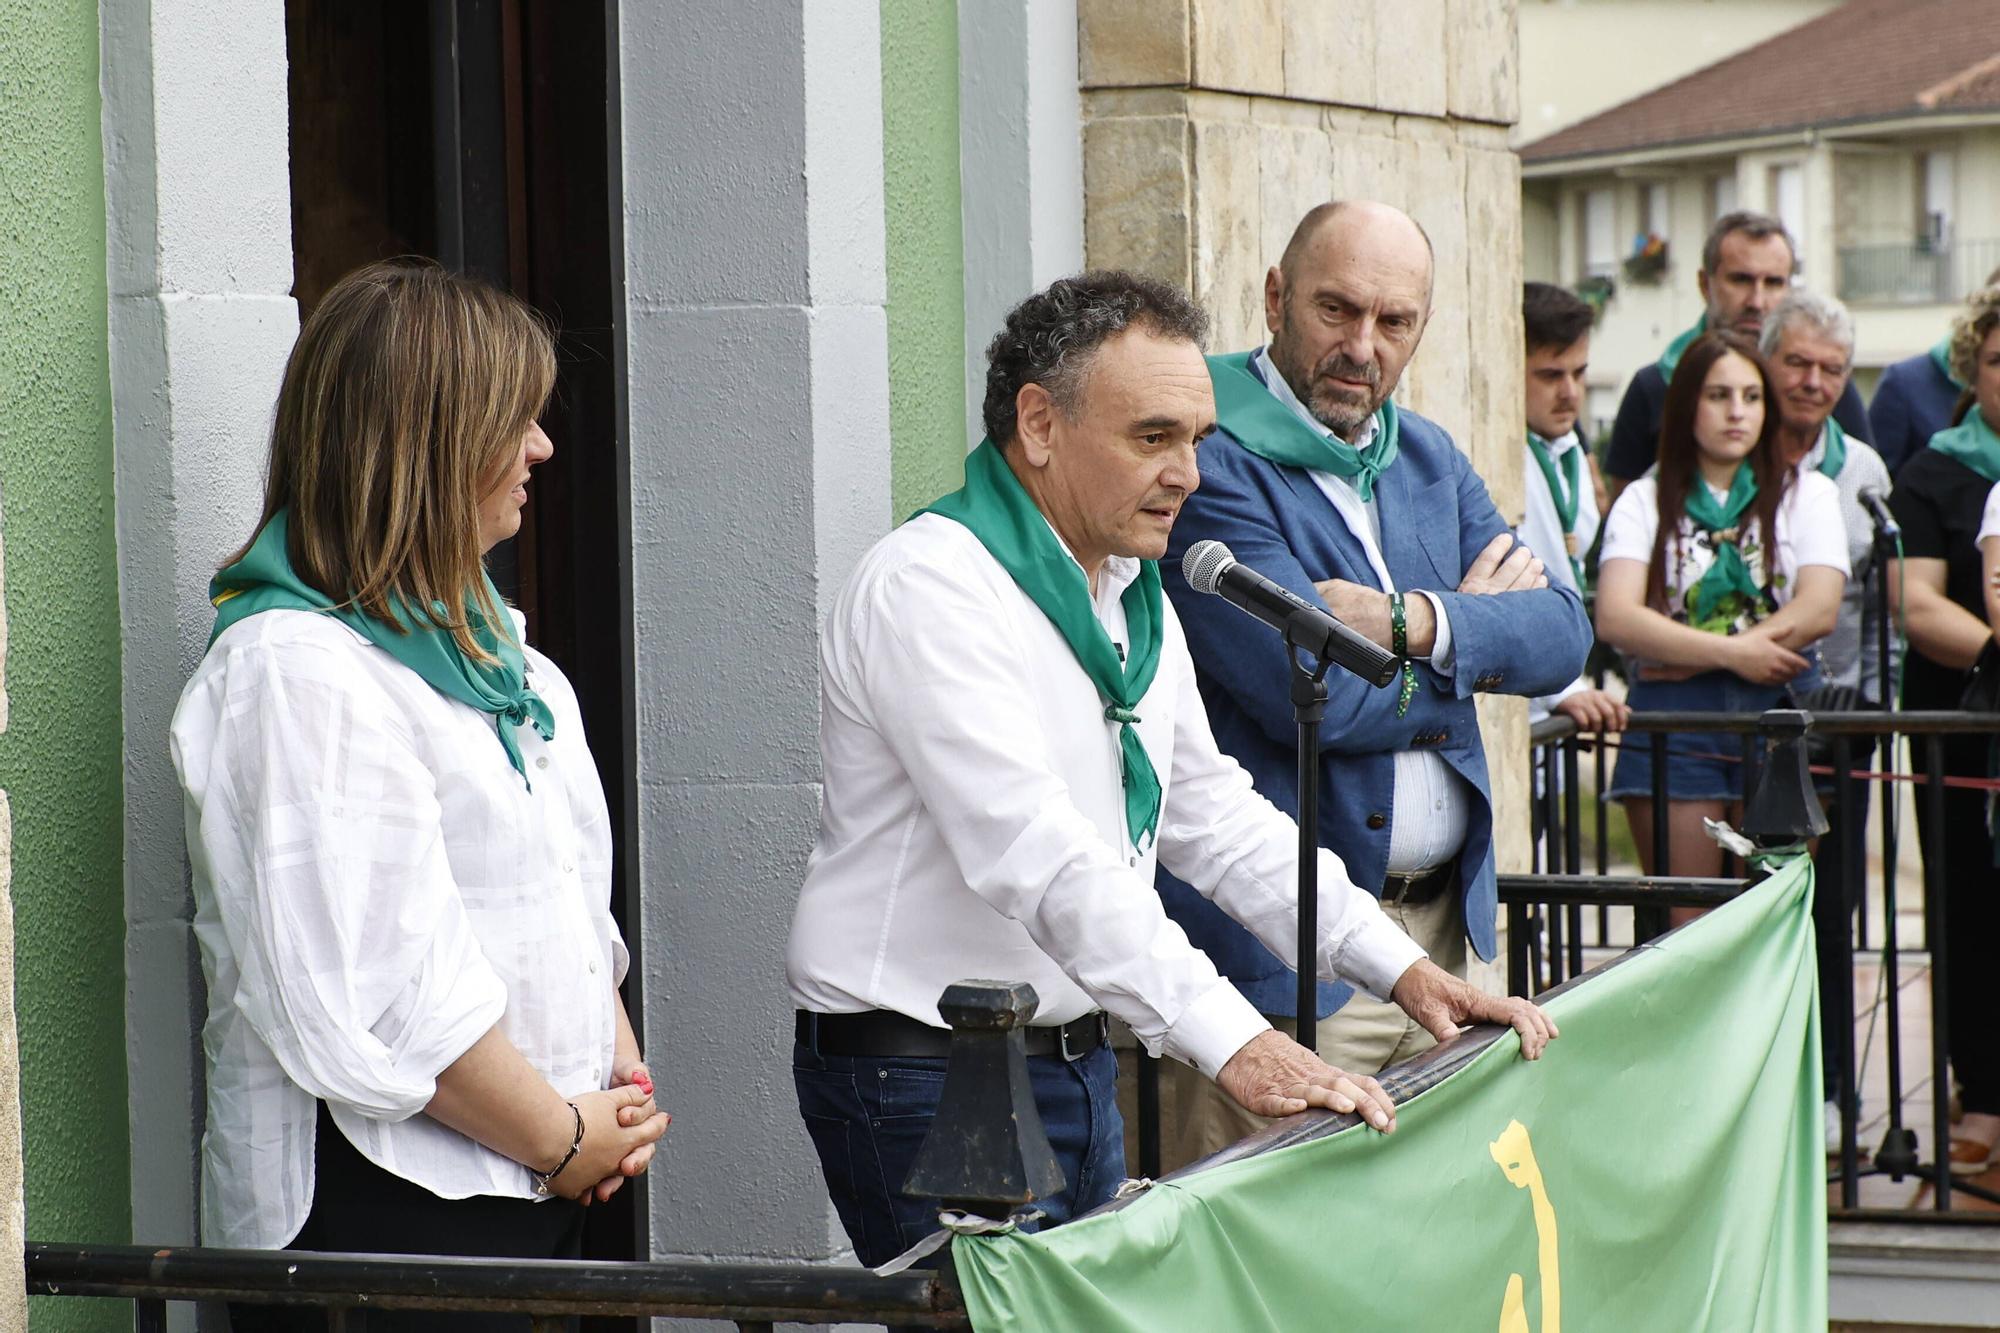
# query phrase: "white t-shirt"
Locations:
[[1810, 532], [1989, 521]]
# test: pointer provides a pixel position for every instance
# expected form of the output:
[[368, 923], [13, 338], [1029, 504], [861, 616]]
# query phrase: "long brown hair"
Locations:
[[1679, 452], [405, 397]]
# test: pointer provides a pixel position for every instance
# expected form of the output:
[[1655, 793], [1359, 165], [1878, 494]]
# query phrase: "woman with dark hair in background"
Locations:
[[1940, 501], [1719, 571], [401, 851]]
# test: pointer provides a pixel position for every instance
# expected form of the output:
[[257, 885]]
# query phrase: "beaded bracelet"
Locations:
[[1399, 644], [542, 1178]]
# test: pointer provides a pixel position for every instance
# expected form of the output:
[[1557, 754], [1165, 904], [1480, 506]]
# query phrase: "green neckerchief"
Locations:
[[1973, 443], [1941, 358], [1260, 423], [1672, 356], [1565, 499], [1729, 573], [264, 580], [1835, 457], [995, 507]]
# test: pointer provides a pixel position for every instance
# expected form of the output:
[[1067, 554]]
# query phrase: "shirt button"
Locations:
[[543, 762], [592, 965], [569, 867]]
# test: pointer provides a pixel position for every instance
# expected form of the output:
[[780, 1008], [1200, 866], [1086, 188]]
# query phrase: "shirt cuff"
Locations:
[[1216, 1026], [1374, 956], [1442, 658]]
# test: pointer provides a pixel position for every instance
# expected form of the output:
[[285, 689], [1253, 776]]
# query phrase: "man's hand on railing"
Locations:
[[1272, 1075], [1594, 710], [1440, 1003]]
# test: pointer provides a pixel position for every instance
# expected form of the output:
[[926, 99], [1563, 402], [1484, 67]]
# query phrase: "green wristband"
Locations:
[[1399, 644]]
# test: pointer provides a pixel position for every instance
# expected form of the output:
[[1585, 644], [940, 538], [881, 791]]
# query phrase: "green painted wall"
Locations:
[[60, 754], [926, 254]]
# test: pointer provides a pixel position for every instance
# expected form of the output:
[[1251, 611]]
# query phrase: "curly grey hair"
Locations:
[[1051, 338]]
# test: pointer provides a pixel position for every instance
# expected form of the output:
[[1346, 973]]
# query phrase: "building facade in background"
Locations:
[[1872, 130], [774, 239]]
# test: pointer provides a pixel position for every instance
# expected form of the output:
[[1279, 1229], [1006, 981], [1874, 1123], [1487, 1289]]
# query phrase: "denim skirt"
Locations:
[[1701, 766]]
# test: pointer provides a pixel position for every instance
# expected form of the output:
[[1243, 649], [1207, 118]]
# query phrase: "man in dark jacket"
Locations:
[[1746, 269]]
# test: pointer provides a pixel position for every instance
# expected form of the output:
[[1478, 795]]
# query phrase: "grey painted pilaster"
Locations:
[[198, 221], [756, 345], [1021, 156]]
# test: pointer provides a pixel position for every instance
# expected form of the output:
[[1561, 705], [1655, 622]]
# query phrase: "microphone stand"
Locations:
[[1308, 710]]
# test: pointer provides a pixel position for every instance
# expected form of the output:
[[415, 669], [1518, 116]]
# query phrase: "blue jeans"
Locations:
[[867, 1118]]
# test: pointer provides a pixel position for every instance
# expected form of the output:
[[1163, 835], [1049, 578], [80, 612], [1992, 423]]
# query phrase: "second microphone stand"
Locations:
[[1308, 710]]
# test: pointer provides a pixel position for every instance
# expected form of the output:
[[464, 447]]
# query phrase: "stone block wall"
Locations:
[[1210, 126]]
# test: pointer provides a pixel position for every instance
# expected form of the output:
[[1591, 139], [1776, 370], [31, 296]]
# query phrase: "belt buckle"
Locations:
[[1062, 1037]]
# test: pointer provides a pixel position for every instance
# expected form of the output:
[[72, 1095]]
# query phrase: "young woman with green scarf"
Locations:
[[1948, 600], [401, 849], [1718, 572]]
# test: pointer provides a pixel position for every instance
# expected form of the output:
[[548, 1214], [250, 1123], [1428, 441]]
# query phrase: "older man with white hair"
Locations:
[[1809, 341]]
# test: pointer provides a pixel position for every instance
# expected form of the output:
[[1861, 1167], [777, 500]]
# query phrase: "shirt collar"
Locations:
[[1817, 453], [1117, 575], [1268, 372], [1563, 443]]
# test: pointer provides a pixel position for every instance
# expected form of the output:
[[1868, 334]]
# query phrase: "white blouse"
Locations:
[[1810, 531], [375, 887]]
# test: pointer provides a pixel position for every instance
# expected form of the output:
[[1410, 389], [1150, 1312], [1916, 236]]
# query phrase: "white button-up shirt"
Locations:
[[1542, 530], [375, 887], [972, 819], [1425, 786]]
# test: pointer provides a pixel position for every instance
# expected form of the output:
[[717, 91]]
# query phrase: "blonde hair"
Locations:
[[1971, 329], [407, 393]]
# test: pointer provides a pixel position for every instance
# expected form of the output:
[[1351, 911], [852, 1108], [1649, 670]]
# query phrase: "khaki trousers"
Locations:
[[1363, 1036]]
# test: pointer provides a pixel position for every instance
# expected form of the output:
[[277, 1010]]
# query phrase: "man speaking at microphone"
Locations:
[[1318, 482], [1010, 739]]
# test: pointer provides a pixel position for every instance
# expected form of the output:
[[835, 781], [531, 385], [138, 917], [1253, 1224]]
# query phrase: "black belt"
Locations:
[[1416, 890], [879, 1034]]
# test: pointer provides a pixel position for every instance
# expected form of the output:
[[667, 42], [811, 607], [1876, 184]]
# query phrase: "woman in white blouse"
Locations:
[[1719, 571], [401, 851]]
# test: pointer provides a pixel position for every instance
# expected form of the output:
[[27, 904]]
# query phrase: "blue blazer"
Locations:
[[1912, 402], [1436, 517]]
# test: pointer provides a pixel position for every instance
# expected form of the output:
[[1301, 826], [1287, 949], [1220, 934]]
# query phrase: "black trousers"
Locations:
[[358, 1208], [1971, 924]]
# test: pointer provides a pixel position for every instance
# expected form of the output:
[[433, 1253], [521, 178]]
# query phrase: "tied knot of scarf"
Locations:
[[1722, 520], [1255, 419], [996, 509], [264, 580]]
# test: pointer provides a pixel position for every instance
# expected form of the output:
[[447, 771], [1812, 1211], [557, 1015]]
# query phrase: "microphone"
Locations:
[[1885, 522], [1209, 567]]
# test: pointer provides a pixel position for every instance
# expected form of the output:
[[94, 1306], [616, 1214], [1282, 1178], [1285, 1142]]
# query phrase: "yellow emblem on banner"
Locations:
[[1515, 1157]]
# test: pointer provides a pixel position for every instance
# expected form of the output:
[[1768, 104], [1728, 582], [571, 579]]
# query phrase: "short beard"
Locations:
[[1341, 417]]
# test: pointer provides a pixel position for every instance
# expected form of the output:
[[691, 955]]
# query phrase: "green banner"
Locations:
[[1660, 1167]]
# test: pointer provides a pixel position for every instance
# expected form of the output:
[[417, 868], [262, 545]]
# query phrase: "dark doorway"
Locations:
[[480, 133]]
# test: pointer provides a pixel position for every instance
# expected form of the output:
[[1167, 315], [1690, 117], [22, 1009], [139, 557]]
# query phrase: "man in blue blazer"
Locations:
[[1315, 479]]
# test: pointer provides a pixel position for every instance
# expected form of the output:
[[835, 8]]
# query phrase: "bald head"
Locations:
[[1346, 221], [1346, 306]]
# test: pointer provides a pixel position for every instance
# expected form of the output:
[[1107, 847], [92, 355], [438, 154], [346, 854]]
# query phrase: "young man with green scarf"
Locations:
[[1560, 514], [1746, 268], [1318, 481], [1011, 740]]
